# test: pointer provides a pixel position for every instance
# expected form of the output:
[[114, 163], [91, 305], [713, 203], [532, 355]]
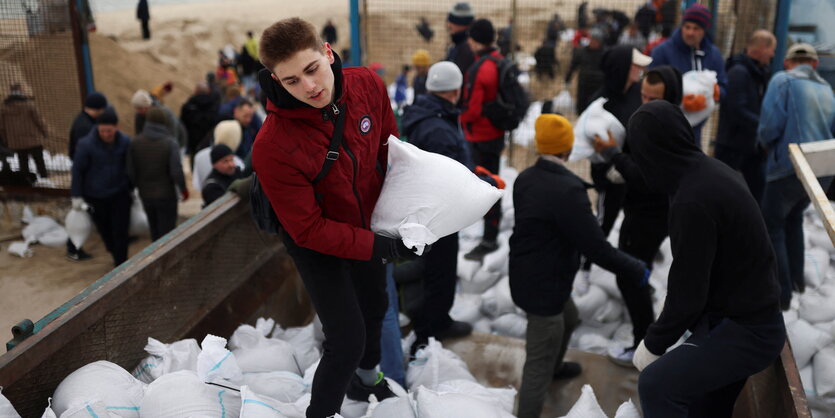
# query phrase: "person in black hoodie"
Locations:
[[722, 285], [644, 225], [199, 116], [554, 226], [736, 140]]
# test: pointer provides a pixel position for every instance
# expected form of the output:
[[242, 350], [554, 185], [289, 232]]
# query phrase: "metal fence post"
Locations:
[[356, 42], [781, 31]]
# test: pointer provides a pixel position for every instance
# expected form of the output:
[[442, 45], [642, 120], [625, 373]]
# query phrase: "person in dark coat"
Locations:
[[722, 286], [94, 105], [224, 172], [421, 61], [99, 178], [736, 139], [586, 61], [554, 226], [199, 116], [431, 124], [459, 19], [329, 34], [644, 225], [144, 16], [154, 167], [546, 59]]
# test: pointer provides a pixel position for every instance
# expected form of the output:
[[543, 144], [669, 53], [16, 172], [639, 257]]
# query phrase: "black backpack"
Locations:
[[512, 101], [262, 211]]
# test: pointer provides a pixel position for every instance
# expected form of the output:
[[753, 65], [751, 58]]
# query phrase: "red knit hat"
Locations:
[[699, 15]]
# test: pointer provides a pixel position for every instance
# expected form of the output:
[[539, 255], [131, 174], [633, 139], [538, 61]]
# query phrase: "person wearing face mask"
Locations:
[[722, 285], [325, 220]]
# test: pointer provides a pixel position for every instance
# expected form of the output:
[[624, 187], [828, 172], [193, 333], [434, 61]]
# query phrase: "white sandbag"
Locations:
[[48, 412], [257, 353], [427, 196], [606, 281], [699, 83], [215, 362], [103, 381], [167, 358], [466, 268], [466, 308], [482, 280], [623, 335], [46, 231], [483, 325], [497, 260], [586, 406], [353, 409], [503, 397], [593, 343], [595, 120], [138, 219], [21, 249], [824, 372], [611, 311], [498, 300], [806, 340], [808, 380], [815, 266], [818, 306], [790, 316], [281, 386], [6, 408], [590, 302], [79, 225], [563, 102], [432, 404], [434, 365], [819, 238], [92, 408], [184, 394], [303, 340], [311, 371], [254, 405], [396, 407], [510, 325], [318, 331], [627, 410]]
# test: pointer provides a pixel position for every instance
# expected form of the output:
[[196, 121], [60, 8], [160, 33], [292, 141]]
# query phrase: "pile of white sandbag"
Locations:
[[587, 407]]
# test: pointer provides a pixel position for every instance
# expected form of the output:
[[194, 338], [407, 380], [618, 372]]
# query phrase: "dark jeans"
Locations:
[[439, 278], [351, 301], [545, 344], [162, 216], [112, 218], [488, 154], [783, 204], [391, 348], [751, 165], [609, 200], [704, 376], [37, 155], [641, 235], [146, 30]]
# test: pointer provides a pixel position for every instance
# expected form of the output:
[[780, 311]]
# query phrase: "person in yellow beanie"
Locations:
[[554, 227], [421, 61]]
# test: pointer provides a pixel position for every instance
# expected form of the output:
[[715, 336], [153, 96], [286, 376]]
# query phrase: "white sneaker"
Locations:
[[621, 356]]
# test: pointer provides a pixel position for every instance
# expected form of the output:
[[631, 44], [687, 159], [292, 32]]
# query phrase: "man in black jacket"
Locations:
[[739, 117], [199, 116], [722, 285], [586, 62], [224, 172], [459, 19], [554, 226]]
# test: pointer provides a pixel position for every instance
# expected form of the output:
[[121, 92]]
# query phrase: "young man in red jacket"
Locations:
[[486, 141], [325, 224]]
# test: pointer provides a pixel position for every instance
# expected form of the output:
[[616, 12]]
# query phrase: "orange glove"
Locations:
[[716, 93], [483, 172], [694, 103]]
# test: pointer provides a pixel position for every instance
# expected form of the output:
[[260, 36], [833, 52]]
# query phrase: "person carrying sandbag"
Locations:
[[314, 104]]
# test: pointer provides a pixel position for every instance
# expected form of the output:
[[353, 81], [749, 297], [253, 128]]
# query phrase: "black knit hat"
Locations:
[[219, 151], [482, 31], [108, 117], [95, 100]]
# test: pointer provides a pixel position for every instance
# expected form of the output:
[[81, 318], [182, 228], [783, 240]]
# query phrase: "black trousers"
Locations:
[[146, 30], [162, 216], [37, 155], [609, 200], [488, 154], [112, 218], [750, 164], [439, 277], [641, 235], [703, 377], [351, 301]]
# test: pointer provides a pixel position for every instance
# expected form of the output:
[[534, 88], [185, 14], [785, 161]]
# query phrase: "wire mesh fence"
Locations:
[[394, 30], [41, 91]]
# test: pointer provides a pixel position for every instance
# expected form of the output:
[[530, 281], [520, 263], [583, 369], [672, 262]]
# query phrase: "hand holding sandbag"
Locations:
[[643, 357]]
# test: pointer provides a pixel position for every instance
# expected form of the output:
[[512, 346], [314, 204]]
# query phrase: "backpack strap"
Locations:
[[336, 142]]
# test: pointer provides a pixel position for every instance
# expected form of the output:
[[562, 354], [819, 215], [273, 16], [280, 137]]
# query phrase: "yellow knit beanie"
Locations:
[[421, 58], [554, 134]]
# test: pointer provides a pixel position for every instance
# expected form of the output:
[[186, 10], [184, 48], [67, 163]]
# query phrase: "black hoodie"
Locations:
[[672, 83], [615, 65], [723, 262]]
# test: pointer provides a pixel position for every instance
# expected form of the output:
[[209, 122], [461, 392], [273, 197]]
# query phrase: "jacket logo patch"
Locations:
[[365, 124]]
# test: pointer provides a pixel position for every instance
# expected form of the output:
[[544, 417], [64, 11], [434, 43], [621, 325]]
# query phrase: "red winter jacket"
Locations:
[[334, 216], [478, 128]]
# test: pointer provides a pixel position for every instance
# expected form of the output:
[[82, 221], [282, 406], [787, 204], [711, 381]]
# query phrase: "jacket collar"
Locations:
[[554, 165], [153, 130], [678, 41], [484, 52], [805, 71], [459, 37], [282, 102]]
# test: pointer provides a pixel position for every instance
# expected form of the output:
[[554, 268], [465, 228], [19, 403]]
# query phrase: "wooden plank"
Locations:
[[821, 156], [813, 189]]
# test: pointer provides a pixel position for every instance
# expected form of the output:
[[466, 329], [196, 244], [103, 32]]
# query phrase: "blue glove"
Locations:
[[645, 280]]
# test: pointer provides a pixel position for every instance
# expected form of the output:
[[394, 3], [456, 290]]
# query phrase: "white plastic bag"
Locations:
[[595, 121], [815, 266], [184, 394], [818, 305], [564, 103], [434, 365], [482, 280], [215, 362], [92, 408], [586, 406], [79, 225], [6, 408], [281, 386], [305, 347], [167, 358], [498, 300], [255, 405], [432, 404], [46, 231], [502, 397], [138, 219], [427, 196], [627, 410], [257, 353], [104, 381], [466, 308], [510, 325], [806, 340], [699, 83], [590, 302], [824, 372], [48, 412], [21, 249]]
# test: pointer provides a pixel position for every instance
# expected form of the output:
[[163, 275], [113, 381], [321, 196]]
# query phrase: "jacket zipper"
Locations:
[[354, 164]]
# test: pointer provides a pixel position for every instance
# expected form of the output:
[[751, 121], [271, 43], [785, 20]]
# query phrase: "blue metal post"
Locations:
[[781, 31], [85, 52], [356, 41]]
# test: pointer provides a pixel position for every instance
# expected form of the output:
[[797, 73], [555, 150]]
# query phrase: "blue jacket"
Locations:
[[798, 107], [99, 170], [676, 53], [431, 124]]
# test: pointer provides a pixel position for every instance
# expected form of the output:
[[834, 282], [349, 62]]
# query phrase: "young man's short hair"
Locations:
[[654, 77], [243, 102], [284, 38]]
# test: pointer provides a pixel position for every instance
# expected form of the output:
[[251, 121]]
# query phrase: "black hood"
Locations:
[[281, 98], [662, 145], [615, 65], [760, 72], [672, 83]]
